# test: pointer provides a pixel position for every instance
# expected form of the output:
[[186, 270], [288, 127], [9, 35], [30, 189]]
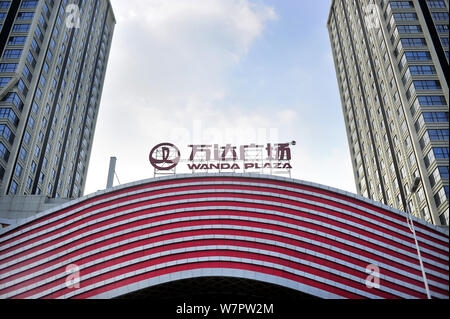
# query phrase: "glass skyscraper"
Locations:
[[392, 61], [52, 68]]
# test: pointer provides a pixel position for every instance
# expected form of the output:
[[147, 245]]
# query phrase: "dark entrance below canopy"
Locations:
[[217, 289]]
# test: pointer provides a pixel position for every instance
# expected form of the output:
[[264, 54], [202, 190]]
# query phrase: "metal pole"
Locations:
[[424, 275], [410, 223], [111, 171]]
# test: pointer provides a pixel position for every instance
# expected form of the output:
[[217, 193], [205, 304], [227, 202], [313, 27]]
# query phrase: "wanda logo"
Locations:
[[164, 156]]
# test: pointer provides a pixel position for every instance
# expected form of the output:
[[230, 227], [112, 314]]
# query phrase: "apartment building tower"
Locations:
[[392, 61], [53, 58]]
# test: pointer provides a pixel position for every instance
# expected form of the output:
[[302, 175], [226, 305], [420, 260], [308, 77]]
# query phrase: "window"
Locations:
[[426, 213], [443, 218], [31, 122], [46, 10], [4, 153], [36, 151], [427, 85], [436, 4], [442, 28], [12, 54], [18, 170], [430, 117], [8, 113], [414, 56], [6, 133], [42, 80], [412, 42], [39, 34], [33, 167], [23, 153], [21, 28], [441, 196], [42, 21], [29, 182], [409, 16], [439, 173], [418, 56], [409, 29], [436, 153], [25, 16], [422, 85], [8, 67], [13, 98], [439, 16], [46, 68], [17, 40], [430, 100], [401, 4], [38, 93], [4, 4], [49, 55], [35, 46], [440, 152], [29, 4], [13, 188], [443, 171], [22, 87], [422, 69], [4, 82], [31, 59], [27, 138], [26, 72], [438, 135]]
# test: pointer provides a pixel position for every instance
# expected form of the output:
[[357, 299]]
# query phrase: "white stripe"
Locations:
[[177, 240], [210, 247], [403, 224], [137, 209], [193, 260], [198, 273], [224, 227]]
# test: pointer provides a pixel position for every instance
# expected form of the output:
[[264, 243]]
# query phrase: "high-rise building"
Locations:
[[391, 60], [52, 68]]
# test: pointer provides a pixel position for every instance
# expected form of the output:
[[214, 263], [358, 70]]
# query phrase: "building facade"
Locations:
[[304, 237], [52, 68], [391, 60]]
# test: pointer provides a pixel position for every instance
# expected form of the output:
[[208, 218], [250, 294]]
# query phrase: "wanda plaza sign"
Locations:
[[166, 156]]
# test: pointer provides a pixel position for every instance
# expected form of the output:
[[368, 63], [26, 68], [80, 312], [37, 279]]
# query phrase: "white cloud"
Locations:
[[168, 78], [167, 70], [174, 49]]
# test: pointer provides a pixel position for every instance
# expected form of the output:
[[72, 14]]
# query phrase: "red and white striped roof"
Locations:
[[292, 233]]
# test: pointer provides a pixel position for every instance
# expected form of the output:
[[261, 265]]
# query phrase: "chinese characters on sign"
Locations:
[[166, 156]]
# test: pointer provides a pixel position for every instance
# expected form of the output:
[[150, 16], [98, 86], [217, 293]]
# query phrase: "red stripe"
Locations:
[[197, 233], [204, 222], [170, 258], [389, 247], [392, 215], [197, 243]]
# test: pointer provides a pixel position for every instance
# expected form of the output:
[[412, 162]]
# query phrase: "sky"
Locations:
[[220, 71]]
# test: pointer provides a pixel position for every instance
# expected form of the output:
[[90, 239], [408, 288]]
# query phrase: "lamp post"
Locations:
[[410, 223]]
